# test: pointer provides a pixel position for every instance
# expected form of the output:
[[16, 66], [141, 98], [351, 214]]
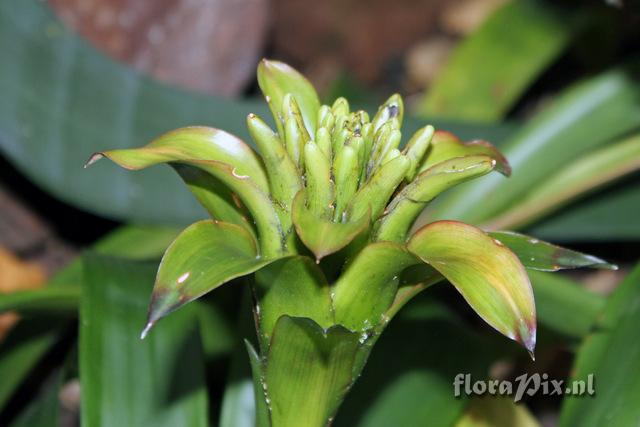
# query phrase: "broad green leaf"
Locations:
[[575, 180], [487, 274], [304, 357], [276, 79], [488, 72], [563, 305], [293, 286], [367, 287], [583, 117], [126, 381], [445, 145], [323, 236], [538, 255], [610, 353], [406, 206], [204, 256], [48, 300], [496, 411], [254, 196]]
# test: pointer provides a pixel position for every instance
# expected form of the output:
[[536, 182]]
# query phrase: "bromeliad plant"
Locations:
[[322, 219]]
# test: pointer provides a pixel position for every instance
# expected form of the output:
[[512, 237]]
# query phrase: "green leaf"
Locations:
[[500, 411], [538, 255], [256, 200], [488, 72], [445, 146], [406, 206], [125, 381], [44, 409], [48, 300], [304, 357], [204, 256], [323, 236], [563, 305], [257, 371], [610, 353], [294, 286], [276, 79], [584, 117], [487, 274], [367, 287], [578, 178]]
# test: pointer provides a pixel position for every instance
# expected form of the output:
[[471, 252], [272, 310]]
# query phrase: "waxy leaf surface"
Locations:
[[204, 256], [487, 274], [321, 235], [544, 256], [309, 370]]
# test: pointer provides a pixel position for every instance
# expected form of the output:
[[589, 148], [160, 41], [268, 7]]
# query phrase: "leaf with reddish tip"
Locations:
[[407, 205], [368, 286], [445, 145], [487, 274], [322, 236], [189, 143], [538, 255], [276, 79], [192, 147], [204, 256]]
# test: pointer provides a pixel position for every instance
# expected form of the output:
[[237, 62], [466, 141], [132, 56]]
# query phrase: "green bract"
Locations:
[[323, 215]]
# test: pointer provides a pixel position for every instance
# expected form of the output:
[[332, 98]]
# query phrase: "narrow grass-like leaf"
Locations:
[[581, 118], [487, 73], [445, 146], [48, 300], [610, 356], [294, 286], [276, 79], [204, 256], [124, 381], [367, 287], [538, 255], [574, 180], [304, 358], [406, 206], [323, 236], [257, 374], [487, 274]]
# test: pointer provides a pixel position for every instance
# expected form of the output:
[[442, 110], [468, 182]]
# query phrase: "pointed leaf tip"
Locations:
[[146, 329], [93, 158]]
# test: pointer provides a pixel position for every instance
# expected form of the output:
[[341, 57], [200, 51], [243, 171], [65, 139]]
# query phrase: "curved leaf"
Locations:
[[368, 286], [487, 274], [305, 358], [293, 286], [276, 79], [578, 178], [322, 236], [538, 255], [204, 256], [407, 205], [445, 145], [255, 198], [583, 117], [193, 143]]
